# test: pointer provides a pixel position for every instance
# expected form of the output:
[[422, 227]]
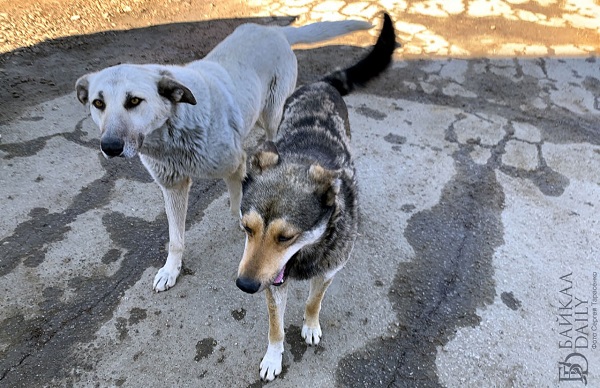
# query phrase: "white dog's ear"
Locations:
[[174, 91], [82, 86]]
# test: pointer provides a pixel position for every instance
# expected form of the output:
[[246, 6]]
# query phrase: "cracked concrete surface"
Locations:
[[478, 156]]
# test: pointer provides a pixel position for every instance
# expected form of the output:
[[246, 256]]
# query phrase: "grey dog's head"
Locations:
[[127, 102], [286, 206]]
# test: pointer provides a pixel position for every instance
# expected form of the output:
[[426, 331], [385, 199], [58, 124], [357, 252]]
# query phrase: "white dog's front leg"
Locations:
[[176, 200], [270, 366]]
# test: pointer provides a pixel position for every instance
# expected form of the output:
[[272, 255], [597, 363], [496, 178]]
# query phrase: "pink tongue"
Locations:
[[279, 278]]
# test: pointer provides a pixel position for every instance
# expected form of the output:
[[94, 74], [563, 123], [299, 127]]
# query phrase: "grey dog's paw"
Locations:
[[312, 335], [270, 366], [164, 279]]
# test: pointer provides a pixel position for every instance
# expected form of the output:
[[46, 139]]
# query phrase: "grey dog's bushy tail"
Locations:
[[378, 59]]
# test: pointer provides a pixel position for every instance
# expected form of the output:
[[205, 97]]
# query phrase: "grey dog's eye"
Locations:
[[283, 238], [248, 230], [98, 104]]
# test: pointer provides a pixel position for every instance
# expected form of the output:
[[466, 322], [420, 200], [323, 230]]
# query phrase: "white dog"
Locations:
[[190, 121]]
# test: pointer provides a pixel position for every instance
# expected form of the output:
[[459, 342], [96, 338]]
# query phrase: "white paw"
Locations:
[[270, 366], [312, 335], [165, 279]]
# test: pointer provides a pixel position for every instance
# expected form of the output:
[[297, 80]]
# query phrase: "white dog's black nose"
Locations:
[[112, 146], [247, 285]]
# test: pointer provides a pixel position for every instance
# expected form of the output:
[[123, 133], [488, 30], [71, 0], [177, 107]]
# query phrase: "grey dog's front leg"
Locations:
[[270, 366], [176, 201], [311, 329]]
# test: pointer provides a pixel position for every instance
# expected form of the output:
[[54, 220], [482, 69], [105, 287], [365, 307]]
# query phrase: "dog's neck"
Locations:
[[172, 138], [184, 125]]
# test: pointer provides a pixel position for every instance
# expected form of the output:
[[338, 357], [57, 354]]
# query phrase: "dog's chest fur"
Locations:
[[196, 141]]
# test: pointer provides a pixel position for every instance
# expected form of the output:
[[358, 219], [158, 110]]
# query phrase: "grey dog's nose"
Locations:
[[247, 285], [112, 146]]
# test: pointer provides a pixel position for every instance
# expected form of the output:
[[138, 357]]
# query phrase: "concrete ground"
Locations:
[[478, 156]]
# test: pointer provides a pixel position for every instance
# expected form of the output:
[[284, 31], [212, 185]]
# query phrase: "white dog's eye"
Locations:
[[99, 104], [133, 102]]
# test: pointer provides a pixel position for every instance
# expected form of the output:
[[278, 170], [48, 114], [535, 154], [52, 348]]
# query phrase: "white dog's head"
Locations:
[[127, 102]]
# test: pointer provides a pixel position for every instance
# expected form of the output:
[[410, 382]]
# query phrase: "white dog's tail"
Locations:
[[320, 31]]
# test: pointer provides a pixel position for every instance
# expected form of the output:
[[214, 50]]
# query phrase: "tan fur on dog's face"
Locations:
[[268, 247]]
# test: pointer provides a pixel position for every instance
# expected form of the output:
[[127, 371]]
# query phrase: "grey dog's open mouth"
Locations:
[[280, 279]]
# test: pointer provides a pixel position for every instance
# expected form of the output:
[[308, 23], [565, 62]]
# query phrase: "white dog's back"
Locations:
[[263, 66]]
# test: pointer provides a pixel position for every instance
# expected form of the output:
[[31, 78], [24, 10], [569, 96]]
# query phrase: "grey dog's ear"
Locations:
[[174, 91], [265, 158], [81, 86], [328, 183]]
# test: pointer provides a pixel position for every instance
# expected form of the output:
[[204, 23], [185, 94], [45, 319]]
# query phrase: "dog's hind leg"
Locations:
[[311, 329], [234, 187], [270, 366], [280, 88], [176, 201]]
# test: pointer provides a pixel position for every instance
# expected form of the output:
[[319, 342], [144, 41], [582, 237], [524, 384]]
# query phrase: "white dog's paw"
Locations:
[[312, 335], [165, 279], [270, 366]]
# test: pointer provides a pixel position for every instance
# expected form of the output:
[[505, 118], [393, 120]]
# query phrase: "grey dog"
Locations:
[[300, 205]]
